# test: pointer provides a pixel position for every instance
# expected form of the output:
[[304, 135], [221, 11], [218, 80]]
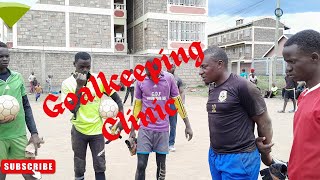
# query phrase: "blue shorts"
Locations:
[[239, 166]]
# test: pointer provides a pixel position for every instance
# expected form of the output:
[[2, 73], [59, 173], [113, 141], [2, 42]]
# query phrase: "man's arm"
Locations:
[[174, 93], [181, 90], [75, 110], [29, 116], [31, 124], [183, 114], [264, 127], [115, 96], [81, 81], [182, 94], [255, 106]]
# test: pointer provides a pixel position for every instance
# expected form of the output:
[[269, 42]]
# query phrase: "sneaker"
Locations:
[[172, 149], [292, 111]]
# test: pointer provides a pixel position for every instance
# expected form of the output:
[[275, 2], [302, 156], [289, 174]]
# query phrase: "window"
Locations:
[[240, 51], [186, 31], [247, 32], [198, 3], [248, 49], [228, 36], [240, 34], [233, 35], [219, 39]]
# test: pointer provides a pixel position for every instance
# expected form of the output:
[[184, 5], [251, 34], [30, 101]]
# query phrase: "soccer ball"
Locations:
[[108, 109], [9, 108]]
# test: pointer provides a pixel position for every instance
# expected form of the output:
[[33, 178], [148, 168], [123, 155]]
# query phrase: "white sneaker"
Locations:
[[172, 149]]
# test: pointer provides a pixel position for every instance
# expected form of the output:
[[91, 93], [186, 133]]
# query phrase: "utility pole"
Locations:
[[273, 62]]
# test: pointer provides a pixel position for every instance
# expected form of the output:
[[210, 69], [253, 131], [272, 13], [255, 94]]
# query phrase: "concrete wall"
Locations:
[[42, 28], [138, 37], [60, 65], [260, 50], [55, 2], [156, 34], [90, 30], [266, 35], [267, 22], [91, 3], [138, 9], [159, 6]]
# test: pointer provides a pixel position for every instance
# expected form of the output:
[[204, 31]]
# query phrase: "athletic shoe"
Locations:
[[172, 149]]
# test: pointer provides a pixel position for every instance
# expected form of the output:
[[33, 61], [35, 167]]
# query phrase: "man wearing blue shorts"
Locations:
[[234, 107], [155, 136]]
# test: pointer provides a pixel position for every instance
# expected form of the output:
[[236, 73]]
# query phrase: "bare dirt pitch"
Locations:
[[189, 162]]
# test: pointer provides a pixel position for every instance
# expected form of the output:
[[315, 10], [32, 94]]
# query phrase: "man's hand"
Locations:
[[132, 133], [189, 133], [8, 119], [36, 142], [81, 79], [265, 150]]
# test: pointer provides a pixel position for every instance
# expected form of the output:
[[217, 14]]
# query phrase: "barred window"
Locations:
[[197, 3], [187, 31]]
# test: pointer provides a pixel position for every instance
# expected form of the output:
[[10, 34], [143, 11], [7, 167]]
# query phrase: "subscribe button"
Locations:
[[28, 166]]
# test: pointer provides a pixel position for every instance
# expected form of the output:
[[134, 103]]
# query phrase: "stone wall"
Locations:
[[266, 35], [156, 34], [138, 38], [55, 2], [155, 6], [60, 65], [261, 49], [91, 3], [90, 30], [137, 9], [42, 28]]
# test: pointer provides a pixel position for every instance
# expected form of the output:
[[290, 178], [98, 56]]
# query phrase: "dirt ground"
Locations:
[[189, 162]]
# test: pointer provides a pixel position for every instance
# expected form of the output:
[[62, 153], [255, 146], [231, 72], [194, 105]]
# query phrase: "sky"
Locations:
[[27, 2], [298, 14]]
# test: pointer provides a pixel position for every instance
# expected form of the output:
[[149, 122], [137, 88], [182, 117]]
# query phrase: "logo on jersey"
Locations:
[[223, 96]]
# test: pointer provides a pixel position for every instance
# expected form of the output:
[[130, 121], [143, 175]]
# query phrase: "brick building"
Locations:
[[168, 24], [247, 41], [115, 32]]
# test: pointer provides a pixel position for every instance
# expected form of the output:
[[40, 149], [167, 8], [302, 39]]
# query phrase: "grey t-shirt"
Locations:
[[230, 107], [178, 81]]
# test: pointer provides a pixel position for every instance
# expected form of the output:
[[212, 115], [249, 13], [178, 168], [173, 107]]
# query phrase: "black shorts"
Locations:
[[289, 94]]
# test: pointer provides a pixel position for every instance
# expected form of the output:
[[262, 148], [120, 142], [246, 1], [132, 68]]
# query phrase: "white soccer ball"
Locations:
[[9, 108], [108, 109]]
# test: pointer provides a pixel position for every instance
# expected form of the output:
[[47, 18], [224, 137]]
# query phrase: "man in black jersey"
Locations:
[[234, 107]]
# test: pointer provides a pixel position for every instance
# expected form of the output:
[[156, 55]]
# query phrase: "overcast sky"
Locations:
[[298, 14]]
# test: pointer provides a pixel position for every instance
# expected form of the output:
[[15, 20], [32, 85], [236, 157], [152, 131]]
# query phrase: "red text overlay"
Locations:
[[195, 53]]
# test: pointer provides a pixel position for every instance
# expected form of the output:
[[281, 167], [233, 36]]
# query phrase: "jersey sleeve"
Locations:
[[251, 99], [174, 91], [138, 91], [64, 91]]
